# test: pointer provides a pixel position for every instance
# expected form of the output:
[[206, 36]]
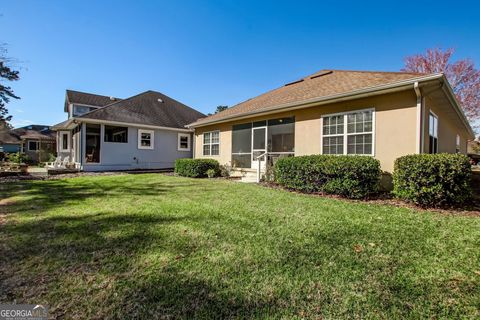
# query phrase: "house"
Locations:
[[145, 131], [36, 141], [9, 143], [473, 150], [382, 114]]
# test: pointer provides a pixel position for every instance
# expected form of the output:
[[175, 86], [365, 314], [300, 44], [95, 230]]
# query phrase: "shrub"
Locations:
[[225, 170], [19, 158], [211, 173], [433, 180], [348, 176], [196, 168]]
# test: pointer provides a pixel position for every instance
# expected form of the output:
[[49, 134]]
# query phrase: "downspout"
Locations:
[[419, 144]]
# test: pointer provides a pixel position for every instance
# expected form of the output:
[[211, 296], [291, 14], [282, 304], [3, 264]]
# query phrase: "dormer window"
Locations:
[[78, 110]]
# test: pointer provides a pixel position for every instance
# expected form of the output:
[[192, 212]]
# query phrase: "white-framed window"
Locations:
[[433, 132], [64, 141], [457, 144], [33, 145], [211, 143], [145, 139], [183, 142], [349, 133]]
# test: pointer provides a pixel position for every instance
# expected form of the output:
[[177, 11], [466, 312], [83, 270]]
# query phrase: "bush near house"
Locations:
[[196, 168], [433, 180], [348, 176]]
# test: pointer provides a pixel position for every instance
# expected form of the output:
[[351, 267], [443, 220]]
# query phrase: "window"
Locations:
[[78, 110], [457, 144], [183, 142], [116, 134], [348, 133], [145, 139], [32, 145], [433, 132], [64, 141], [211, 143]]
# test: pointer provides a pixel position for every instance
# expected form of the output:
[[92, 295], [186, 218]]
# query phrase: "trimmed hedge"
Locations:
[[349, 176], [196, 168], [433, 180]]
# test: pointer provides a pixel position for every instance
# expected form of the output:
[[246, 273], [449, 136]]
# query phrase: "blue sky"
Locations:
[[209, 53]]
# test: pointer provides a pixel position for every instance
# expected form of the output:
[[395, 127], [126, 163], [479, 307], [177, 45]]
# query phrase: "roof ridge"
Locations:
[[93, 94], [111, 104], [373, 71]]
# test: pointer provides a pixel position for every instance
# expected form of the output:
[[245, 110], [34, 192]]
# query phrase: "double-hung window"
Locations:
[[433, 132], [145, 139], [211, 143], [183, 142], [348, 133]]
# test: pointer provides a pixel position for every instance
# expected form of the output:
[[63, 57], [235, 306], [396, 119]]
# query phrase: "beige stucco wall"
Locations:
[[395, 127], [447, 131]]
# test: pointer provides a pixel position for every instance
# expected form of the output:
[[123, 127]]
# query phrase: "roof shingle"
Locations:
[[323, 83], [148, 108], [88, 99]]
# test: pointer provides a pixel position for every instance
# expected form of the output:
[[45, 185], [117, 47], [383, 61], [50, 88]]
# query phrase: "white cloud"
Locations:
[[19, 111]]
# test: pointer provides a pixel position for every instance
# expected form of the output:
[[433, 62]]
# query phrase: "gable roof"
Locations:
[[87, 99], [323, 83], [147, 108]]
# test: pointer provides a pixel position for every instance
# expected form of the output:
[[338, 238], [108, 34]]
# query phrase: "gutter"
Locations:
[[117, 123], [356, 94], [419, 140]]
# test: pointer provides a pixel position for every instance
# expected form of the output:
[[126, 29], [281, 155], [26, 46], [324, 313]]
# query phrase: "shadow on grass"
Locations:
[[44, 195], [105, 244]]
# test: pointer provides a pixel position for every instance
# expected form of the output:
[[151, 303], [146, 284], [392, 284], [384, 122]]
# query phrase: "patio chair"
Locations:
[[55, 164], [65, 162]]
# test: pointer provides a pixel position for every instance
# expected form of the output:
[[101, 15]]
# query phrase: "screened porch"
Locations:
[[267, 139]]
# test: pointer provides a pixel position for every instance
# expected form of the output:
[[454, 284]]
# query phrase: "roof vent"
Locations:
[[112, 98], [294, 82], [160, 100], [322, 73]]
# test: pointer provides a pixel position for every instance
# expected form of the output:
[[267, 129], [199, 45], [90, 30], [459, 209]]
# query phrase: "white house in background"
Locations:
[[145, 131]]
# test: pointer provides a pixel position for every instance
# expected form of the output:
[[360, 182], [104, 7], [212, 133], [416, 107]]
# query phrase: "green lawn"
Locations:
[[155, 246]]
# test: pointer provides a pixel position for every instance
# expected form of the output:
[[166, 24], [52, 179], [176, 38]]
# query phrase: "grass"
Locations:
[[150, 245]]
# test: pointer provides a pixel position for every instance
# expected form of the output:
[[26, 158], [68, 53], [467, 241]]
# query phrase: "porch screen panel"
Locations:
[[281, 135], [242, 145]]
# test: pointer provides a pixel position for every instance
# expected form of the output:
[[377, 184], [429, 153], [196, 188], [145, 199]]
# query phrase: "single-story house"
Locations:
[[9, 143], [381, 114], [36, 141], [145, 131]]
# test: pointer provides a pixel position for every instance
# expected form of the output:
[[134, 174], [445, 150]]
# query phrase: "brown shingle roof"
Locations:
[[88, 99], [148, 108], [34, 132], [323, 83]]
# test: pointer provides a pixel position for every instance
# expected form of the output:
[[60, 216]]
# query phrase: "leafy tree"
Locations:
[[6, 92], [462, 75], [221, 108]]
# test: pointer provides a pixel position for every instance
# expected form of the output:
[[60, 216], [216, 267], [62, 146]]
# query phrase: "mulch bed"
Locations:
[[472, 209]]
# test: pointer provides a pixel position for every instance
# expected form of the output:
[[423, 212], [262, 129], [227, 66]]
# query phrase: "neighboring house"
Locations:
[[37, 141], [9, 143], [473, 150], [381, 114], [146, 131]]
